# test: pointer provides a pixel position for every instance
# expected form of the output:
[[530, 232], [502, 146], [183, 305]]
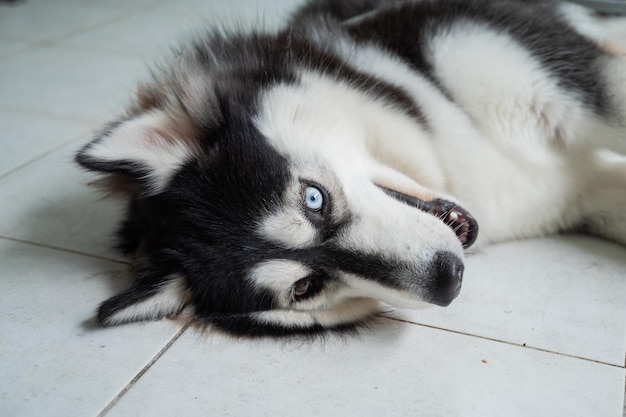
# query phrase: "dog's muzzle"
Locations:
[[454, 216]]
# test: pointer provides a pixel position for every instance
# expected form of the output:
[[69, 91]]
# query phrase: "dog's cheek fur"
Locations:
[[346, 318]]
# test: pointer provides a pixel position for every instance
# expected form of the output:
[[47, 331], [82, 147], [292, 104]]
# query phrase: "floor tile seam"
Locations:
[[29, 161], [143, 371], [507, 342], [124, 13], [50, 114], [61, 249], [31, 45], [491, 339]]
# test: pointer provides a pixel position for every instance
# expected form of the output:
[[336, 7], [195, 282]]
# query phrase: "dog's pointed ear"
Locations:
[[144, 301], [141, 152], [148, 148]]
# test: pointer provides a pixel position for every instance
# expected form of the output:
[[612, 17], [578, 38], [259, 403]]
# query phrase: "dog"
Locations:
[[297, 182]]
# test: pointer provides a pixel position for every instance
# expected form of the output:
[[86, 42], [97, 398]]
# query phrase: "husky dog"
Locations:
[[295, 182]]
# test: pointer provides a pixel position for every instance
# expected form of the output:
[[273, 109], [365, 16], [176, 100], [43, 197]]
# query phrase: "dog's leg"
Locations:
[[609, 34], [604, 202], [605, 130], [607, 31], [615, 74]]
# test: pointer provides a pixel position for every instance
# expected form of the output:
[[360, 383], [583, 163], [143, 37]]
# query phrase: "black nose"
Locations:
[[447, 272]]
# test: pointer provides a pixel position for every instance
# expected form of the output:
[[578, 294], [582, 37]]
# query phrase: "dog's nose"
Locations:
[[447, 270]]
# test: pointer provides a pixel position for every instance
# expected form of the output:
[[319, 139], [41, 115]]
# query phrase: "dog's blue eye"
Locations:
[[314, 199]]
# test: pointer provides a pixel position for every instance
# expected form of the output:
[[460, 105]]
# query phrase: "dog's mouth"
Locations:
[[454, 216]]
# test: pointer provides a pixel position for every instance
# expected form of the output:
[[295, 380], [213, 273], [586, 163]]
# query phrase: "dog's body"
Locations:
[[283, 183]]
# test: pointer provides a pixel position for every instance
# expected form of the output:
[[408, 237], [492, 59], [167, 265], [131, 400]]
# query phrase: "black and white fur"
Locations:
[[290, 182]]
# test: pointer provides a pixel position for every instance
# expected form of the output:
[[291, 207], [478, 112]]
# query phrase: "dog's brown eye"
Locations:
[[308, 287], [301, 288]]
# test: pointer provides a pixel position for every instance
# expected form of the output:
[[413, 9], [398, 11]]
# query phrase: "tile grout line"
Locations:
[[59, 249], [51, 114], [25, 163], [491, 339], [55, 39], [142, 372]]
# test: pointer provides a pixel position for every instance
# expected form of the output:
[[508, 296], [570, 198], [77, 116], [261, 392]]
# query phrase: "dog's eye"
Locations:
[[313, 198], [307, 287], [301, 288], [316, 206]]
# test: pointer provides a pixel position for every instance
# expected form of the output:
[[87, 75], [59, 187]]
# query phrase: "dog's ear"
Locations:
[[145, 300], [147, 149], [144, 150]]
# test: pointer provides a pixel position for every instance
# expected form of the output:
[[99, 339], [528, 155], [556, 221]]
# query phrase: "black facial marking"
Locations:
[[207, 218]]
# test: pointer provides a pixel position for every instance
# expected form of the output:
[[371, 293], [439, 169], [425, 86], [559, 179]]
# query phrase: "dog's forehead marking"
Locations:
[[313, 117], [346, 129]]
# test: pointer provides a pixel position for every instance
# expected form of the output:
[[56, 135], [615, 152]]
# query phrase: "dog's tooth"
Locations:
[[453, 215]]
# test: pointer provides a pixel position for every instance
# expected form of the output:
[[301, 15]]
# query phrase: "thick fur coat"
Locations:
[[291, 182]]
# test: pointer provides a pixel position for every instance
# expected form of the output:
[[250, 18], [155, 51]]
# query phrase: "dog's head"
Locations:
[[257, 200]]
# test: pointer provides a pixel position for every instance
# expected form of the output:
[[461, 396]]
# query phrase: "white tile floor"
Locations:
[[539, 330]]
